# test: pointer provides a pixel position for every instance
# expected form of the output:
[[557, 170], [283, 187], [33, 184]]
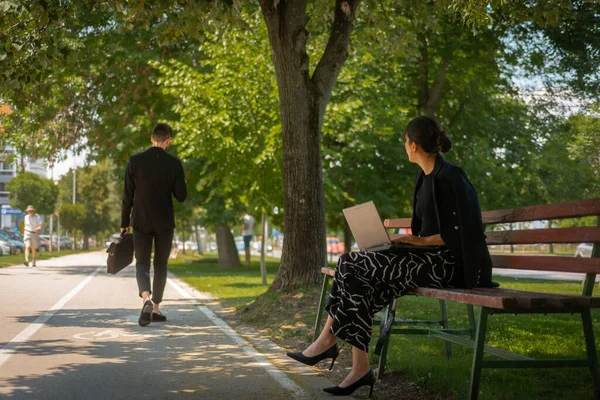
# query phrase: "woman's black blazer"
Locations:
[[459, 219]]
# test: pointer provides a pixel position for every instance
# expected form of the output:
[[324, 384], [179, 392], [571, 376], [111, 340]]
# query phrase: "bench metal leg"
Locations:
[[384, 338], [321, 309], [478, 353], [590, 345], [445, 326], [472, 322]]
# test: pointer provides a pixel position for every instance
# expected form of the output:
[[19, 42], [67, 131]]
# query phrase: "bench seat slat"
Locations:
[[469, 296], [509, 299], [547, 263]]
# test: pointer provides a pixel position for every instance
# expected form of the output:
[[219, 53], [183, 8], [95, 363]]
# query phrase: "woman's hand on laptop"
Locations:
[[435, 240], [406, 239]]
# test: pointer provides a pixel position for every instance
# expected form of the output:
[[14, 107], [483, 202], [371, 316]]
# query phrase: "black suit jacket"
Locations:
[[151, 179], [459, 219]]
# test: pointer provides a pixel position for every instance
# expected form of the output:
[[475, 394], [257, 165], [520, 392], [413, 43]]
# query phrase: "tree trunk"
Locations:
[[182, 237], [228, 253], [51, 245], [86, 239], [423, 73], [347, 237], [263, 239], [302, 103], [199, 240], [74, 232]]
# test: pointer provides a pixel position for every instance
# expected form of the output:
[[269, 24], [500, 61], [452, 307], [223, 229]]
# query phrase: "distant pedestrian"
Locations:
[[152, 178], [247, 227], [32, 228]]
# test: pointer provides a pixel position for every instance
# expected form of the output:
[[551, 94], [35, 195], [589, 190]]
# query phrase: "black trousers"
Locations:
[[367, 281], [142, 241]]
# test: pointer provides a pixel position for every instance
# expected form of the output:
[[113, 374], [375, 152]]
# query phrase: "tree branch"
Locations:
[[335, 53], [436, 88], [423, 73], [458, 112]]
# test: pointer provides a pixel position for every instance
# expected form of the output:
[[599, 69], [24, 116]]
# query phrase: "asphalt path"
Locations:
[[69, 331]]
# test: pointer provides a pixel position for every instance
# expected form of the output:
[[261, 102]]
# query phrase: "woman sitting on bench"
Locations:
[[451, 252]]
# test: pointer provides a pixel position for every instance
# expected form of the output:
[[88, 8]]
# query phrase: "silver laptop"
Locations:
[[367, 227]]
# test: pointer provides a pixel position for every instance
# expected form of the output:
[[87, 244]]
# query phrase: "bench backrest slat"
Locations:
[[397, 223], [570, 209], [547, 263], [556, 235]]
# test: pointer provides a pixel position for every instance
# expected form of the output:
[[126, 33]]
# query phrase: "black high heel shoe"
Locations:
[[332, 352], [367, 380]]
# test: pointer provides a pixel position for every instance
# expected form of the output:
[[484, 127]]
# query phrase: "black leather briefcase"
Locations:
[[120, 253]]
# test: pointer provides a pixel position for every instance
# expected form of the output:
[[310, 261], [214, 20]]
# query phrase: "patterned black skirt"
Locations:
[[367, 281]]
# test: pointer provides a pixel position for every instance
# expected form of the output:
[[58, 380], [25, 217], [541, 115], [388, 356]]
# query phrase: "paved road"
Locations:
[[69, 331]]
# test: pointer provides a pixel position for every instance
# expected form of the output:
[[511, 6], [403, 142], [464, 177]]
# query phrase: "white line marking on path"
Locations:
[[9, 348], [272, 370]]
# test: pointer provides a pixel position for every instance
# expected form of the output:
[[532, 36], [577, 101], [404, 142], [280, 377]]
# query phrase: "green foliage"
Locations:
[[28, 188], [99, 78], [228, 122], [98, 192], [584, 131], [72, 216]]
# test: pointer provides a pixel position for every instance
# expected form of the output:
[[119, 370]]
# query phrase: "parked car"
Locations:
[[5, 248], [91, 243], [189, 245], [334, 245], [14, 235], [19, 247], [44, 244], [584, 250], [257, 244], [239, 243], [112, 238], [65, 242]]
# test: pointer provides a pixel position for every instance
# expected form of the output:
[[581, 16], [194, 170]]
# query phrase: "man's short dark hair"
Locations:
[[162, 132]]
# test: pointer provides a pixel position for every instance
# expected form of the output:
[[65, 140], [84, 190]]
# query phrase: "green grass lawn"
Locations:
[[17, 259], [233, 286], [287, 316], [538, 336]]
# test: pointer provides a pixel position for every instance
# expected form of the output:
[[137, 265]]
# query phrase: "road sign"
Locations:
[[10, 211]]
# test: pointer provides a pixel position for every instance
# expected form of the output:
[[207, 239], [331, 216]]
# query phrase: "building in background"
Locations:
[[9, 217]]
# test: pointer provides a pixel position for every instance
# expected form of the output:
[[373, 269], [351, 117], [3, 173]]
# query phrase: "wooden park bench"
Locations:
[[506, 301]]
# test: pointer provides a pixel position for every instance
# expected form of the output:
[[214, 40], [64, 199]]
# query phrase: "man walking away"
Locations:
[[31, 237], [247, 227], [151, 179]]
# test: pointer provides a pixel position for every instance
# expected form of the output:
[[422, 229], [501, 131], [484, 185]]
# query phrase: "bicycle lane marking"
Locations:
[[110, 334], [7, 351], [278, 375]]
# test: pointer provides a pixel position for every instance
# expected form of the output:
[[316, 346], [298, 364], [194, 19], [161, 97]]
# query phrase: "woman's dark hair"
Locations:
[[428, 134]]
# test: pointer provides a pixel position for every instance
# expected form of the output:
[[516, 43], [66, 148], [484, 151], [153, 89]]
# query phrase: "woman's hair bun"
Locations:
[[443, 141], [428, 133]]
